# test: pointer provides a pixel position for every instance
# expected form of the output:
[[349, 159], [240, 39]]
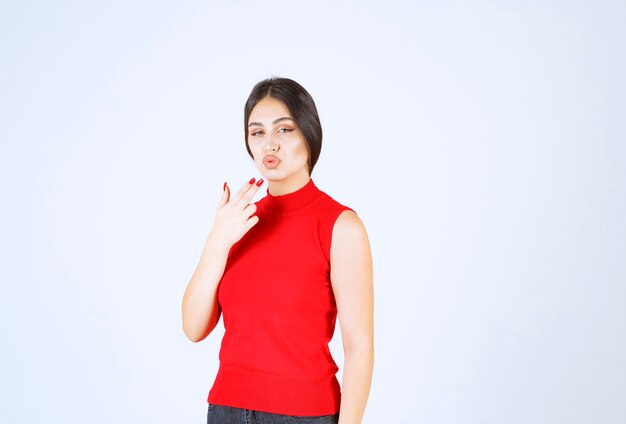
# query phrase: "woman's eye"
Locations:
[[255, 133], [284, 130]]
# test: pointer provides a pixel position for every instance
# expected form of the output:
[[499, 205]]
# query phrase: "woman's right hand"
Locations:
[[234, 216]]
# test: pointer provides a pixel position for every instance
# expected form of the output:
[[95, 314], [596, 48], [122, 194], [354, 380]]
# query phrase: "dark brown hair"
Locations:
[[299, 103]]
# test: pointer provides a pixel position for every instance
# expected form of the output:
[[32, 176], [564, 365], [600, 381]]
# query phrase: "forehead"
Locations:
[[267, 110]]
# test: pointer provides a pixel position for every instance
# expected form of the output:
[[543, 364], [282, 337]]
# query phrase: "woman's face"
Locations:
[[277, 146]]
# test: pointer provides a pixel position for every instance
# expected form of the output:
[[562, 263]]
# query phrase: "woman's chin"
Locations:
[[271, 174]]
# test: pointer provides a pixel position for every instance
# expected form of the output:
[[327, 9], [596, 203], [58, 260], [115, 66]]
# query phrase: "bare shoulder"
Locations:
[[348, 220], [348, 230], [351, 269]]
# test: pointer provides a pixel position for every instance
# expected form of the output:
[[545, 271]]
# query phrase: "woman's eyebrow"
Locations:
[[275, 121]]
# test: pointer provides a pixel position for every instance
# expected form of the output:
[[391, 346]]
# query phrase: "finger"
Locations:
[[251, 222], [249, 210], [225, 196], [247, 186], [248, 195]]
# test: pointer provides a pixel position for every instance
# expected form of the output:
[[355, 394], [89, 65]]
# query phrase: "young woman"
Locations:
[[280, 271]]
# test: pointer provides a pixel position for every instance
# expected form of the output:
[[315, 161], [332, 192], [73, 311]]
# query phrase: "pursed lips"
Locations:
[[270, 159]]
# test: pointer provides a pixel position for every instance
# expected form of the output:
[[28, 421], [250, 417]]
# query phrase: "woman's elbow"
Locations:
[[191, 335], [198, 331], [360, 347]]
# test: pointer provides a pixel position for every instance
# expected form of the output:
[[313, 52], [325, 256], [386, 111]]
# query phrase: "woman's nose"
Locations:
[[271, 144]]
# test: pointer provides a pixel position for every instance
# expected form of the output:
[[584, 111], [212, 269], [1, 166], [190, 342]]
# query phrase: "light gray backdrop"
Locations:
[[482, 143]]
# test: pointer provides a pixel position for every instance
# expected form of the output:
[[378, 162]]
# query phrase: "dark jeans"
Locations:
[[219, 414]]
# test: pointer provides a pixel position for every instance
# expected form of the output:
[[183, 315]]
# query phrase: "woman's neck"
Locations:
[[282, 187]]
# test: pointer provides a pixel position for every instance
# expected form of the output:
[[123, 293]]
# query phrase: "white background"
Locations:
[[482, 143]]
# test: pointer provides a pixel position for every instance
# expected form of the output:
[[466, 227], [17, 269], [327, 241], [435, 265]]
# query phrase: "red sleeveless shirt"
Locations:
[[279, 310]]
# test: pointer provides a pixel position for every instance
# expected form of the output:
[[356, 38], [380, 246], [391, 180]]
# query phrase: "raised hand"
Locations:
[[235, 215]]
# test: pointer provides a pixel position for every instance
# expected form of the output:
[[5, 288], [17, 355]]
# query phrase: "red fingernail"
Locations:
[[224, 186], [252, 181], [258, 183]]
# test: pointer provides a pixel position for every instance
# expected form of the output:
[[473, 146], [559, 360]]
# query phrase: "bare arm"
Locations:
[[352, 282], [234, 218], [201, 311]]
